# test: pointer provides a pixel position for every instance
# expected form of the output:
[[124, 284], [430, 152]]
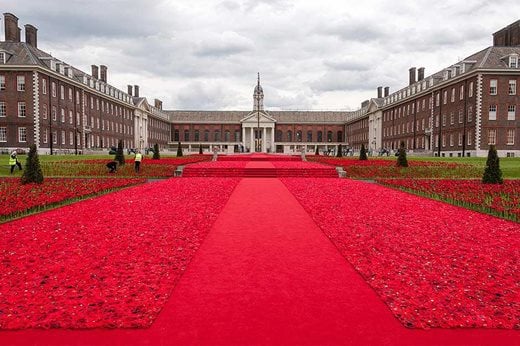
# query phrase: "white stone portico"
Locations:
[[250, 126]]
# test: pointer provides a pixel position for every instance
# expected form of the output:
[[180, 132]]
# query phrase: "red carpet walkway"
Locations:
[[266, 274]]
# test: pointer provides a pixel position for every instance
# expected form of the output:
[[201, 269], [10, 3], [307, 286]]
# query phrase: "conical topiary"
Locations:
[[401, 159], [363, 153], [156, 155], [33, 171], [179, 150], [492, 173], [317, 152], [120, 156], [340, 151], [200, 149]]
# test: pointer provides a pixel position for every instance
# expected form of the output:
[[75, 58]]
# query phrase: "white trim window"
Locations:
[[70, 94], [62, 115], [22, 134], [493, 87], [469, 137], [492, 112], [45, 111], [2, 82], [3, 109], [510, 140], [54, 137], [20, 83], [461, 116], [461, 96], [62, 136], [452, 95], [513, 61], [512, 87], [2, 58], [71, 138], [71, 118], [44, 86], [62, 92], [3, 134], [53, 89], [492, 136], [54, 113], [443, 140], [511, 112], [470, 91], [21, 110], [45, 136], [451, 140], [460, 139]]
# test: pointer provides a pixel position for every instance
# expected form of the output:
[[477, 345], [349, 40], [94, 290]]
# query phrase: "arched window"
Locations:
[[298, 136], [197, 136], [206, 135], [186, 135], [227, 136], [217, 135], [309, 136], [340, 136], [176, 135], [289, 136], [320, 136], [237, 135], [279, 135], [329, 136]]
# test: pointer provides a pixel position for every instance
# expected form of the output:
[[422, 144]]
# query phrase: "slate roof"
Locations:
[[237, 116]]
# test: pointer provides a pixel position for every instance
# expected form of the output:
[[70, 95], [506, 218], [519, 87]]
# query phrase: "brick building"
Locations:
[[52, 104]]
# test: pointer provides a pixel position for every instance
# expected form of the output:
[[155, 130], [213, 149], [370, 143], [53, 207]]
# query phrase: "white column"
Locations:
[[251, 130], [273, 147], [264, 137], [243, 136]]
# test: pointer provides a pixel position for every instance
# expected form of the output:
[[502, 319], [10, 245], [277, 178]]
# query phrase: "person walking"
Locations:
[[13, 161], [137, 161], [112, 166]]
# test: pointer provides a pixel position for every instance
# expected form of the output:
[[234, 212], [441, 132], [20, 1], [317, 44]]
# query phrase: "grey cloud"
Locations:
[[228, 43]]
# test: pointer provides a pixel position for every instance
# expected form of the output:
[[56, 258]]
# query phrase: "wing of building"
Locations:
[[458, 111]]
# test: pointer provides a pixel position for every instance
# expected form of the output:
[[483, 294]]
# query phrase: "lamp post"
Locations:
[[257, 132]]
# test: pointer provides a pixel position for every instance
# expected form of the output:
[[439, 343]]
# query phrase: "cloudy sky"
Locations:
[[312, 55]]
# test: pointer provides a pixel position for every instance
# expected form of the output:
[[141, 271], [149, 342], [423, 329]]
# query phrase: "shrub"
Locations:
[[401, 159], [179, 150], [120, 156], [363, 153], [340, 151], [492, 173], [156, 155], [317, 151], [200, 149], [33, 171]]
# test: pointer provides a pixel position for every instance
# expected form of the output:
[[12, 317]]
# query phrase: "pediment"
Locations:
[[252, 118]]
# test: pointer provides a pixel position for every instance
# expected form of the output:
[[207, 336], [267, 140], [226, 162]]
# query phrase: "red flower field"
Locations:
[[433, 264], [107, 262], [503, 199], [16, 198]]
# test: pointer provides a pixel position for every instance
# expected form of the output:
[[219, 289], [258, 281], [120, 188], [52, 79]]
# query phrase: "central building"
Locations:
[[259, 130]]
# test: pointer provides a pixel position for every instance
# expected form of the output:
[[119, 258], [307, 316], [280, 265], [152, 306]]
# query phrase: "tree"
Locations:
[[156, 155], [33, 171], [401, 159], [492, 173], [200, 149], [317, 152], [179, 150], [363, 153], [120, 156], [340, 151]]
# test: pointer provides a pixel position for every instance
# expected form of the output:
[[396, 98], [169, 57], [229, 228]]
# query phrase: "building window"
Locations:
[[71, 138], [70, 94], [512, 87], [461, 116], [197, 135], [206, 135], [510, 137], [445, 97], [493, 86], [44, 111], [289, 136], [492, 136], [53, 89], [279, 135], [320, 136], [470, 114], [451, 140], [217, 136], [45, 136], [62, 92], [469, 136], [3, 109], [470, 91], [461, 96], [227, 136], [176, 135], [309, 136], [492, 112], [20, 83], [55, 137], [44, 88], [54, 115], [460, 139], [437, 99], [511, 112], [2, 82], [237, 136], [452, 118], [22, 134], [340, 136], [444, 120], [186, 135], [71, 118], [329, 136], [298, 136], [443, 140], [62, 115], [63, 137], [2, 58], [3, 134], [513, 61], [453, 95], [21, 109]]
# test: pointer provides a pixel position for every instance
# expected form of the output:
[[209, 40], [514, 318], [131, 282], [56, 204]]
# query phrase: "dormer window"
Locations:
[[513, 61], [2, 58]]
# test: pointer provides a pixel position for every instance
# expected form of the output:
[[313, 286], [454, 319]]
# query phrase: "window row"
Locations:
[[511, 112], [298, 136], [206, 136], [493, 87], [21, 111], [20, 83], [22, 134]]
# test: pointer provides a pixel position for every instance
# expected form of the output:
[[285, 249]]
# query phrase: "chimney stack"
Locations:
[[158, 104], [12, 31], [129, 90], [95, 71], [387, 91], [379, 92], [103, 75], [31, 35], [420, 77], [412, 75], [136, 90]]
